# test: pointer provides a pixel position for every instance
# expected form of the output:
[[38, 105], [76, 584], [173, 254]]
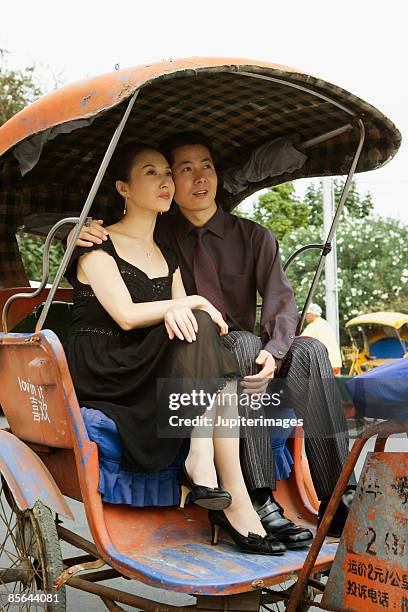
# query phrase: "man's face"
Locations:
[[194, 177]]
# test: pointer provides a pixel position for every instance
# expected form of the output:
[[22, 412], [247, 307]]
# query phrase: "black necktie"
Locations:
[[205, 273]]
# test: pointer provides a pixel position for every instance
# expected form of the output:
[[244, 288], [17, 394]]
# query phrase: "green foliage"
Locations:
[[281, 209], [31, 249], [17, 89]]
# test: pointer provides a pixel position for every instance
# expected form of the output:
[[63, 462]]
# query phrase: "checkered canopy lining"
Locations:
[[237, 113]]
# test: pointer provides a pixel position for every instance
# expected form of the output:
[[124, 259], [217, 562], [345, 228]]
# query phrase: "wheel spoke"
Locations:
[[30, 557]]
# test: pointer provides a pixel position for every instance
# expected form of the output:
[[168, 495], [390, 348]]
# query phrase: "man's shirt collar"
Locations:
[[214, 225]]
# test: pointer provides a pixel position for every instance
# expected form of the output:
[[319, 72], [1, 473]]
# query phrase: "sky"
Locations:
[[360, 45]]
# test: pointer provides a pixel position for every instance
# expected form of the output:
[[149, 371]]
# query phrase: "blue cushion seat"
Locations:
[[160, 488], [387, 348]]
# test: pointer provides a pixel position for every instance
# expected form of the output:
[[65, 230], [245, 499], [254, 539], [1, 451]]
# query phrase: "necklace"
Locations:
[[148, 253]]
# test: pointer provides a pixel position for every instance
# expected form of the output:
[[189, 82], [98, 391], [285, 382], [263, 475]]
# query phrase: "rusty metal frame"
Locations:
[[45, 272], [383, 431], [249, 601], [87, 582]]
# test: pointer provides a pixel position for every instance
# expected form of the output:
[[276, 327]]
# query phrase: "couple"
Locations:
[[145, 289]]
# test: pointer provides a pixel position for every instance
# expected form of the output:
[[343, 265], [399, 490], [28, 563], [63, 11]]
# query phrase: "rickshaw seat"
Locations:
[[165, 547], [159, 488], [58, 320], [170, 548], [386, 348]]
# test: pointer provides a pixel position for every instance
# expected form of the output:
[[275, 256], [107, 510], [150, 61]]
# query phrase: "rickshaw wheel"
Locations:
[[30, 557]]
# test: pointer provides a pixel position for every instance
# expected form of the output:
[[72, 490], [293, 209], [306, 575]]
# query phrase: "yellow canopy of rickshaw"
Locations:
[[392, 319]]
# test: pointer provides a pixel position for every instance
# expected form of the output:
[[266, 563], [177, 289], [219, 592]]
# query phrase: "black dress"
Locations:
[[129, 375]]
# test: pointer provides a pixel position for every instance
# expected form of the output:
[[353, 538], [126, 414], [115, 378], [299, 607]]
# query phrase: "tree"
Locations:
[[17, 88], [356, 205], [372, 256], [282, 211], [279, 209], [31, 249], [372, 266]]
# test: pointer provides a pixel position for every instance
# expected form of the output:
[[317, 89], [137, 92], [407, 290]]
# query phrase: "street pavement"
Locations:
[[78, 601]]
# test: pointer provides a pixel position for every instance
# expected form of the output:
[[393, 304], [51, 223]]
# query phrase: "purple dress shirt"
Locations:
[[246, 256]]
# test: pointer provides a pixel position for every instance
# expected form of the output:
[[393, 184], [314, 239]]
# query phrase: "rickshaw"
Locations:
[[377, 338], [54, 155]]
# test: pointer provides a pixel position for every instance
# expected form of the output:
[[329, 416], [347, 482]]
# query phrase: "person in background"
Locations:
[[319, 328]]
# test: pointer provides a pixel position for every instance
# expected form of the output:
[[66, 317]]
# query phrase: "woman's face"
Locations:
[[150, 185]]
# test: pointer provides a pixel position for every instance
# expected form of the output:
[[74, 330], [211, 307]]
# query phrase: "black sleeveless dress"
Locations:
[[129, 375]]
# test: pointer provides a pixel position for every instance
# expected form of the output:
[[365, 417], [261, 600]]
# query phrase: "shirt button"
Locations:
[[280, 352]]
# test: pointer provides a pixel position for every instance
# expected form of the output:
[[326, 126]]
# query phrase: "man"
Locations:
[[319, 328], [228, 259]]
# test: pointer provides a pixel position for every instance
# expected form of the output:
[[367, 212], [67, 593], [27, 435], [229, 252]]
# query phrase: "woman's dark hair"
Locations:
[[124, 157], [193, 137]]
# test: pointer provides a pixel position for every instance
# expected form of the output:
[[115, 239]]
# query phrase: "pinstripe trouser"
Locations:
[[310, 389], [256, 454]]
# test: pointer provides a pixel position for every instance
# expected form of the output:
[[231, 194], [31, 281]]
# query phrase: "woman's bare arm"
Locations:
[[177, 288], [100, 270]]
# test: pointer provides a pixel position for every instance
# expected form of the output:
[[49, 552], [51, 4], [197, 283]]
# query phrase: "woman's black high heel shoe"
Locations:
[[252, 543], [206, 497]]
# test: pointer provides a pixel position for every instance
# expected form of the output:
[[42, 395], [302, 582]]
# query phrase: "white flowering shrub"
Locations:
[[372, 260]]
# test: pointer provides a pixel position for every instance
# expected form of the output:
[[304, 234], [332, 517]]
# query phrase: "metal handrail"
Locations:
[[333, 226], [45, 270], [298, 252]]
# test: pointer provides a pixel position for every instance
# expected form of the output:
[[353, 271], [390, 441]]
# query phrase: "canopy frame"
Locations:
[[303, 146], [333, 227]]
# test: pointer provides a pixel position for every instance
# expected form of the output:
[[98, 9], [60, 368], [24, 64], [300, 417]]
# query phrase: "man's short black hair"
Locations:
[[182, 139]]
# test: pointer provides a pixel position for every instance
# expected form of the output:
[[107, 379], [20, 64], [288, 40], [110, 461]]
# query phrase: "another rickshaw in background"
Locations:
[[377, 338]]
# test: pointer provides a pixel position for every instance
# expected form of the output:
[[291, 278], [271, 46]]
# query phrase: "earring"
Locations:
[[125, 209]]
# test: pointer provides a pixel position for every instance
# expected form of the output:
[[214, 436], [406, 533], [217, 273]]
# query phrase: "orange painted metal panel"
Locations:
[[27, 477], [370, 571]]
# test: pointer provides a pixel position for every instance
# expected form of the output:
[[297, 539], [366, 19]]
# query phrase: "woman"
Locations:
[[133, 325]]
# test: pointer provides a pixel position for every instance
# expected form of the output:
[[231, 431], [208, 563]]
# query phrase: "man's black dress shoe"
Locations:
[[252, 543], [341, 514], [275, 522], [206, 497]]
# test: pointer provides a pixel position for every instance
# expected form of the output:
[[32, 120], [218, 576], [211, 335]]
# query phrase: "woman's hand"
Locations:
[[181, 323], [216, 316]]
